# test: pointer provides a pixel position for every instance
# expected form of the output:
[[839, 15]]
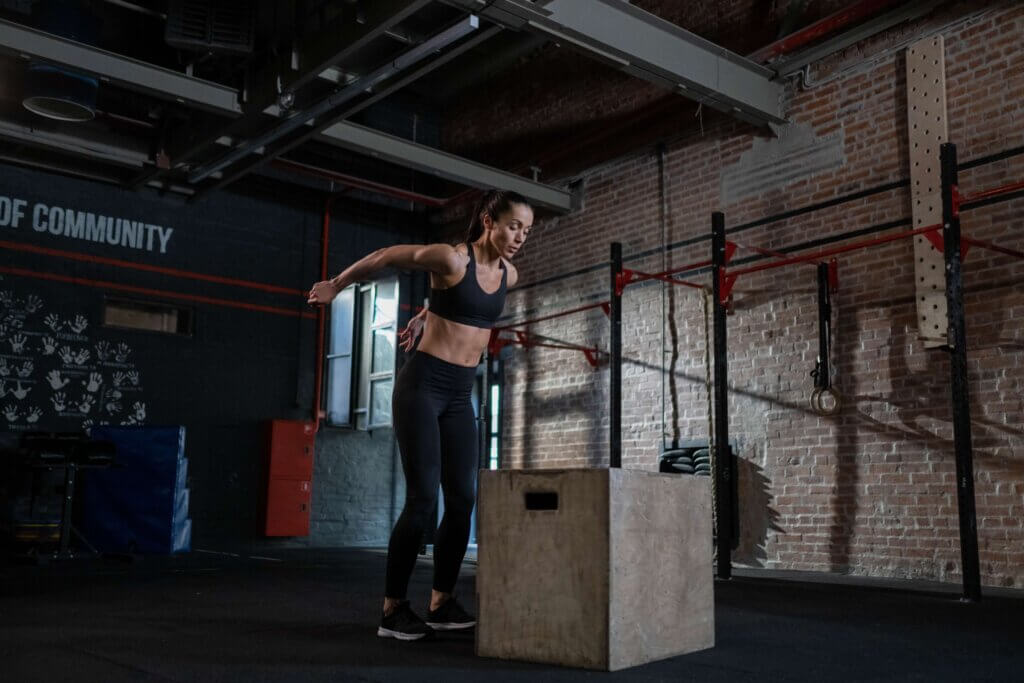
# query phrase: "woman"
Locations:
[[431, 410]]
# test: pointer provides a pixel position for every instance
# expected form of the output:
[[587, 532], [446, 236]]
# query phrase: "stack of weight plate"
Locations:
[[702, 462], [679, 461]]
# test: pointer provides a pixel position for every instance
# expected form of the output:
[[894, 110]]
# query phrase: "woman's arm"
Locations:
[[436, 258]]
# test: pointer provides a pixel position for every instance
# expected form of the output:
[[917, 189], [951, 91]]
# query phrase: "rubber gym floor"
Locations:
[[310, 615]]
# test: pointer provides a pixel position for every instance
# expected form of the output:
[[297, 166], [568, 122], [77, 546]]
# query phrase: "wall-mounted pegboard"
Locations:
[[927, 125]]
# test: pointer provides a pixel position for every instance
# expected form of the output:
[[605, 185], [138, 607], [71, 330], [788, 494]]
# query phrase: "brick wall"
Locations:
[[870, 491]]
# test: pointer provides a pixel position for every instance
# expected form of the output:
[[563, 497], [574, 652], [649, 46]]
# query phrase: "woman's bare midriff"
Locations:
[[454, 342]]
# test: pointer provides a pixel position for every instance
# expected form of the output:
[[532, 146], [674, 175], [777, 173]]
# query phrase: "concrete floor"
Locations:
[[310, 615]]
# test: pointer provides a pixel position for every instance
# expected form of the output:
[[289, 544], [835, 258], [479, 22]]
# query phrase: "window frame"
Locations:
[[361, 377]]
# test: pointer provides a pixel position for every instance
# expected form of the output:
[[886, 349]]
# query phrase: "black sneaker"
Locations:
[[450, 617], [403, 624]]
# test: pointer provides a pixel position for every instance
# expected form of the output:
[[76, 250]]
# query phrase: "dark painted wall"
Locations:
[[237, 370]]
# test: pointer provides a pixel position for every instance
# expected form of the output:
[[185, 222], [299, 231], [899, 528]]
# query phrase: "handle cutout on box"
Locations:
[[541, 500]]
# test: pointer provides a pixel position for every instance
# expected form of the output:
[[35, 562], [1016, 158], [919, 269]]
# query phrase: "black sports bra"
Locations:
[[466, 303]]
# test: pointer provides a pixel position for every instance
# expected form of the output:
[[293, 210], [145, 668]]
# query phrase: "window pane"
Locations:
[[383, 351], [386, 310], [339, 382], [342, 313], [495, 398], [381, 410]]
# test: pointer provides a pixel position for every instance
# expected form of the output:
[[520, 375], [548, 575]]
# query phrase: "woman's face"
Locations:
[[508, 232]]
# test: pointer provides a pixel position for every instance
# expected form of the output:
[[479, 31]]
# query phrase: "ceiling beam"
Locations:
[[310, 121], [169, 85], [362, 140], [289, 71], [641, 44], [28, 43]]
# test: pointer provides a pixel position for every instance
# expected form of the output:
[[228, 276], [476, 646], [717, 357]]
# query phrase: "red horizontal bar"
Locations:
[[643, 277], [817, 256], [89, 258], [549, 317], [566, 347], [994, 192], [993, 247], [762, 251], [680, 269], [154, 292]]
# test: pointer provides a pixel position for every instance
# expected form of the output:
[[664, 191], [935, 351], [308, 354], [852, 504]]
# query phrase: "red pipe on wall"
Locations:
[[321, 318], [120, 263], [160, 293], [820, 29]]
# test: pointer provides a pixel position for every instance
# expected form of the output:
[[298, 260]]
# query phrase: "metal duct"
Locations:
[[55, 91]]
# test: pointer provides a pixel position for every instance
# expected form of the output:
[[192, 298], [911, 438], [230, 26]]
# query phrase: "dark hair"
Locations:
[[493, 203]]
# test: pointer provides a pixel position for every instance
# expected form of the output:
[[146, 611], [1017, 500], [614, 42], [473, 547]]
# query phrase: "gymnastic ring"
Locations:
[[818, 405]]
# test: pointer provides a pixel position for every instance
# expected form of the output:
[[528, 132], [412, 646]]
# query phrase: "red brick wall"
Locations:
[[870, 491]]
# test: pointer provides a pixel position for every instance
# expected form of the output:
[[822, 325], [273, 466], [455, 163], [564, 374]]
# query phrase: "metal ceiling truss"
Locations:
[[611, 31], [641, 44], [168, 85], [302, 125]]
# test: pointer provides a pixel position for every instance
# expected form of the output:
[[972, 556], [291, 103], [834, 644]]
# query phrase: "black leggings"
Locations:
[[436, 432]]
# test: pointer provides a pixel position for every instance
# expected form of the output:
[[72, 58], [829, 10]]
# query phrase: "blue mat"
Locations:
[[141, 503]]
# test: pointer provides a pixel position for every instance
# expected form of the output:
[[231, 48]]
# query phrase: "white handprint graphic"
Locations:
[[18, 343], [112, 407], [66, 355], [93, 383], [87, 423], [33, 415], [86, 404], [6, 299], [140, 411], [122, 352], [33, 303], [58, 400], [56, 381], [53, 322], [20, 392], [133, 377], [83, 356], [49, 346], [79, 324], [26, 369], [103, 350], [11, 413], [14, 322], [4, 370], [119, 378]]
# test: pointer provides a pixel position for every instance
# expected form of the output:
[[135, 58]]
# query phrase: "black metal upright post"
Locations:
[[615, 362], [822, 372], [723, 474], [957, 340]]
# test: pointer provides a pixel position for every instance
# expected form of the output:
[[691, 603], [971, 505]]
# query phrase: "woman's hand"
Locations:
[[323, 292], [407, 337]]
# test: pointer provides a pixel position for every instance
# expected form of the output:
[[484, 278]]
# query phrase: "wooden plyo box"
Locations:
[[593, 568]]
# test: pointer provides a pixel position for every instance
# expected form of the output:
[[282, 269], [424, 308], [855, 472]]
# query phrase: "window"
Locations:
[[361, 355], [154, 317]]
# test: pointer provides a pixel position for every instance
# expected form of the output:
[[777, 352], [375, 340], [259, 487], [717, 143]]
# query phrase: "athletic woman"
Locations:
[[431, 410]]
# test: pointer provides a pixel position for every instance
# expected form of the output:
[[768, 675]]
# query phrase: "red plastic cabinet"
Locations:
[[290, 478]]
